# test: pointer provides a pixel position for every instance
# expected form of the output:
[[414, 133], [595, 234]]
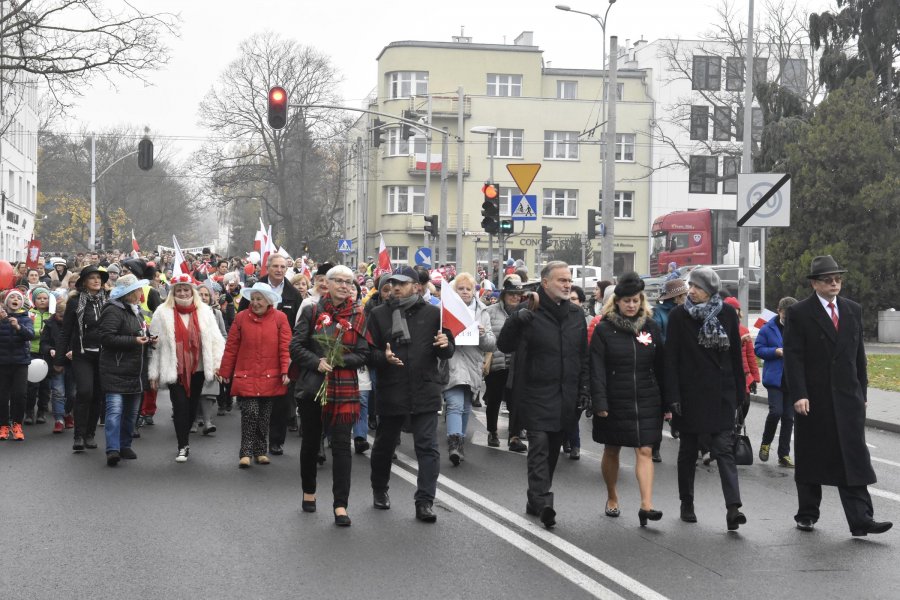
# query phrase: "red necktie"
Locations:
[[834, 318]]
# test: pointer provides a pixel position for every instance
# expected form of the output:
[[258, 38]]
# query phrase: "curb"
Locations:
[[875, 423]]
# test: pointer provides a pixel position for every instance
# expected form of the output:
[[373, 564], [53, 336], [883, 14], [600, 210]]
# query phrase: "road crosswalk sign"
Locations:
[[345, 246], [524, 207]]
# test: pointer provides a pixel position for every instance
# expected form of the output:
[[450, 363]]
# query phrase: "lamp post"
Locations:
[[596, 17], [491, 132]]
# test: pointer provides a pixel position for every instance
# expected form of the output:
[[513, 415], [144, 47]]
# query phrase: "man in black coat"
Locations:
[[407, 341], [550, 375], [825, 368], [290, 304]]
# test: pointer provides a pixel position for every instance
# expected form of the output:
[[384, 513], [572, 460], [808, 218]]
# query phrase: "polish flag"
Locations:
[[455, 315], [384, 259], [764, 318], [268, 249], [422, 163], [136, 250], [180, 266], [259, 242]]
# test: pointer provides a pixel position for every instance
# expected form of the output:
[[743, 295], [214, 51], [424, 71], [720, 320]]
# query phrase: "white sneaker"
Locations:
[[182, 455]]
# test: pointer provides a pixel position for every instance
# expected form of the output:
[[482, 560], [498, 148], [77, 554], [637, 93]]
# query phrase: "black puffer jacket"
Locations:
[[627, 361], [15, 346], [123, 362], [415, 387]]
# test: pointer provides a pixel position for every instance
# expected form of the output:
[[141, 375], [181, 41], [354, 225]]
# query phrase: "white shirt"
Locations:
[[828, 310], [279, 289]]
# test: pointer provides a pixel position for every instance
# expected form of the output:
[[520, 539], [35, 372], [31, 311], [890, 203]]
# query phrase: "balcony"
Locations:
[[442, 107], [418, 164]]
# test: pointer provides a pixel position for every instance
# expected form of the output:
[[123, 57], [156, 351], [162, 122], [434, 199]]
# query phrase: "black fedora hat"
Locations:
[[823, 265], [90, 270]]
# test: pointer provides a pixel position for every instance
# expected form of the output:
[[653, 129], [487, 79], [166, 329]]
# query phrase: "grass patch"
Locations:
[[884, 372]]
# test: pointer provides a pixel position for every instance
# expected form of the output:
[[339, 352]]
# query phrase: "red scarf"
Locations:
[[187, 344], [343, 385]]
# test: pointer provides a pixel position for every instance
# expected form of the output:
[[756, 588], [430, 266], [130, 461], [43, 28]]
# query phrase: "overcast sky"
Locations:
[[353, 32]]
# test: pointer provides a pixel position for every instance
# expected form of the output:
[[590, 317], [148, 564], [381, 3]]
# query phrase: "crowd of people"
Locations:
[[333, 353]]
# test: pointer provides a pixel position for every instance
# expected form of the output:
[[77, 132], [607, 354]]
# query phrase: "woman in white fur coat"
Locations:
[[188, 350]]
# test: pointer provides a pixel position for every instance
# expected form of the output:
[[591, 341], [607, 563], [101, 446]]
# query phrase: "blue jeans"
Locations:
[[780, 410], [121, 414], [361, 428], [459, 406], [58, 395]]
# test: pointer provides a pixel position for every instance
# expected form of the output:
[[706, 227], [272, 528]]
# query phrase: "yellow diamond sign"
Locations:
[[523, 174]]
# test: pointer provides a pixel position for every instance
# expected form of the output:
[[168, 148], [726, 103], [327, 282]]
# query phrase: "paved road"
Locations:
[[152, 528]]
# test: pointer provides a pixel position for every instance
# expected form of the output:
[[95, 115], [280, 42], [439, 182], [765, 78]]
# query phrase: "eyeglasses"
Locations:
[[346, 282], [831, 279]]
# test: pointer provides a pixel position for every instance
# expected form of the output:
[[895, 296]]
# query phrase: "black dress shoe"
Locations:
[[112, 458], [548, 516], [360, 445], [872, 527], [342, 520], [425, 514], [734, 518], [530, 510], [276, 449], [128, 453], [656, 456], [687, 512], [308, 506], [381, 500], [806, 525]]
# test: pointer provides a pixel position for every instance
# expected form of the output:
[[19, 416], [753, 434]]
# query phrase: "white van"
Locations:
[[591, 276]]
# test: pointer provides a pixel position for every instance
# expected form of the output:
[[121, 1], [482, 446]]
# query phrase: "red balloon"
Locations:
[[7, 276], [248, 269]]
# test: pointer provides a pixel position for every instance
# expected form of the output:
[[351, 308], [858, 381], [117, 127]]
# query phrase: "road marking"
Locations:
[[605, 570], [873, 446], [534, 551], [884, 494], [886, 461]]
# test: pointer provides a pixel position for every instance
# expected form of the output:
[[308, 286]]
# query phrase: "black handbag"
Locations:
[[743, 451]]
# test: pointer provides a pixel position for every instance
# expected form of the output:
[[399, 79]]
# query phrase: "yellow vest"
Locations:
[[145, 308]]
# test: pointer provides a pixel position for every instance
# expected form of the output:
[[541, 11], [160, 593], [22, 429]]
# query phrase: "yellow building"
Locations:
[[550, 116]]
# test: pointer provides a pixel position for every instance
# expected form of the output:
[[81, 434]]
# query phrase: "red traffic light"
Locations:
[[490, 191], [278, 105]]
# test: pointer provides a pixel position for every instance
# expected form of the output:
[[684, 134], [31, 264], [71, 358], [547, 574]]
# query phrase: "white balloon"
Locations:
[[253, 257], [37, 370]]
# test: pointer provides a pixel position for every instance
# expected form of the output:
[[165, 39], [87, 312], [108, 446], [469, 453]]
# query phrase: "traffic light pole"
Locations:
[[94, 180]]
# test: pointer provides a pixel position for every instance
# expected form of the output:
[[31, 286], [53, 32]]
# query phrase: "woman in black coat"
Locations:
[[627, 358], [704, 386]]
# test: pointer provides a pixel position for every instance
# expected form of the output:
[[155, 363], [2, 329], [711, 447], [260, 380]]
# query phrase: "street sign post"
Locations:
[[424, 257], [345, 246], [764, 200], [524, 207]]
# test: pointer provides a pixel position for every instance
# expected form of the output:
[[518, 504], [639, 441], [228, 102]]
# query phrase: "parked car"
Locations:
[[591, 276]]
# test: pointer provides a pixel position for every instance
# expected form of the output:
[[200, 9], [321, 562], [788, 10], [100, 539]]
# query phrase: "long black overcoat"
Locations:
[[828, 368]]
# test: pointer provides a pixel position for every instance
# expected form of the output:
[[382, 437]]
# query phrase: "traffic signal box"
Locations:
[[490, 209], [432, 226], [278, 105]]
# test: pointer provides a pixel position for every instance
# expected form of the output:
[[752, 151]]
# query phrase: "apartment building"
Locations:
[[18, 168], [551, 116]]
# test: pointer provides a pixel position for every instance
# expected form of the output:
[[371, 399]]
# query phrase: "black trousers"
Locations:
[[495, 392], [184, 407], [722, 450], [543, 453], [88, 393], [341, 458], [423, 427], [278, 422], [856, 501], [13, 386]]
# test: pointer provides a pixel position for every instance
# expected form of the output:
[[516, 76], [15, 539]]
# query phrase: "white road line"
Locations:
[[534, 551], [871, 446], [605, 570], [886, 461], [884, 494]]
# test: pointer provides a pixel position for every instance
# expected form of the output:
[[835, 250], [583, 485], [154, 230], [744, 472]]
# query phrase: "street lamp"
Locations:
[[596, 17], [490, 131]]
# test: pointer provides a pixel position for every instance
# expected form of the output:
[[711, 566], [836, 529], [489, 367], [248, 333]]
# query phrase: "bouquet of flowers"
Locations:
[[333, 346]]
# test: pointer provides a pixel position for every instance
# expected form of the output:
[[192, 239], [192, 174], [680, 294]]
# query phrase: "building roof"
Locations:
[[459, 46], [631, 73]]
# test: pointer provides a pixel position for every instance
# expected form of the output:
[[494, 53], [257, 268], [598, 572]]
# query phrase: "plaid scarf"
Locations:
[[187, 344], [343, 385]]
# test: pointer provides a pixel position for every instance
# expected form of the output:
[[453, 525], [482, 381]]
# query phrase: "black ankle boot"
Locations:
[[687, 512]]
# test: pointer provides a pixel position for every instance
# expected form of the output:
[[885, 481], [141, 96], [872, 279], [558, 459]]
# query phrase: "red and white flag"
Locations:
[[136, 250], [764, 318], [455, 315], [268, 249], [259, 242], [384, 259], [180, 266]]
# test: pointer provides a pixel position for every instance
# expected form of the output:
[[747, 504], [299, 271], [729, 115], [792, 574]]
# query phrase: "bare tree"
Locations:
[[285, 169]]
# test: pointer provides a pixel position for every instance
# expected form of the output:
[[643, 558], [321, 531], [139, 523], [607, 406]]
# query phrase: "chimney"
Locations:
[[526, 38]]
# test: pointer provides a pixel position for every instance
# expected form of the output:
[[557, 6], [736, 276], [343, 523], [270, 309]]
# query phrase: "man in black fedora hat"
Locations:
[[825, 366]]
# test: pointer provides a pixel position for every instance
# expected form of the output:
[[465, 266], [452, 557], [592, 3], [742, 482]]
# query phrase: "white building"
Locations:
[[18, 168]]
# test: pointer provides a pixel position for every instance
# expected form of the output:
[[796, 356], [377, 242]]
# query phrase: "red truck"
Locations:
[[692, 237]]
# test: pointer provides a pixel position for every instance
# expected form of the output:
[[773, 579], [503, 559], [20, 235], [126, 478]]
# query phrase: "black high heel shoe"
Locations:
[[651, 515], [308, 506], [341, 520]]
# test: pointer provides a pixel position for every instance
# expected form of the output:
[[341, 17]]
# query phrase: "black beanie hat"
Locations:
[[629, 284]]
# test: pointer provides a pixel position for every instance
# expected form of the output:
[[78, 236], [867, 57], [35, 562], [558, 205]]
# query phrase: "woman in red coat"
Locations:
[[748, 356], [257, 367]]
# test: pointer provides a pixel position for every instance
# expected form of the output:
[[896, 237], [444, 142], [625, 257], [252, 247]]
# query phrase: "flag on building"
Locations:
[[422, 163], [455, 315], [135, 249], [384, 259], [180, 265]]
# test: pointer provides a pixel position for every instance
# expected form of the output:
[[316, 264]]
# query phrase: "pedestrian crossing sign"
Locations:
[[524, 207], [345, 246]]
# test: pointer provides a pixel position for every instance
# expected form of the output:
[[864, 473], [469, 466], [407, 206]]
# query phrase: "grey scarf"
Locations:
[[399, 326], [712, 334]]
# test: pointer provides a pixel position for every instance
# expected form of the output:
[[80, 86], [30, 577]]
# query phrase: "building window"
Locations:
[[404, 84], [757, 125], [699, 122], [399, 255], [707, 73], [731, 166], [722, 123], [624, 204], [734, 72], [406, 199], [561, 145], [566, 90], [508, 143], [506, 201], [560, 203], [793, 75], [397, 146], [620, 91], [624, 147], [703, 173], [499, 84]]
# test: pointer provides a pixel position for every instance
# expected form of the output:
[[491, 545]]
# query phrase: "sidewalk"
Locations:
[[883, 411]]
